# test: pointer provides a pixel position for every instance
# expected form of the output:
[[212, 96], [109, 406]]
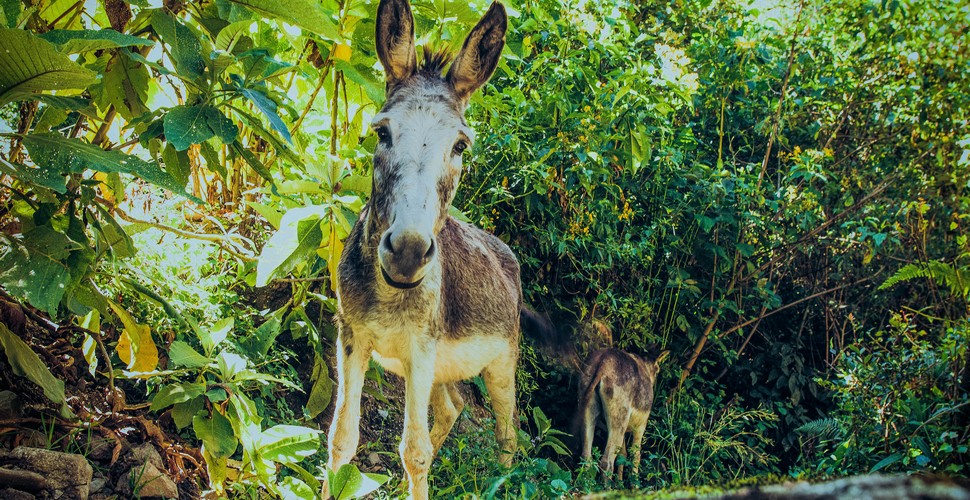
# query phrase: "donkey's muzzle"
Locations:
[[404, 258]]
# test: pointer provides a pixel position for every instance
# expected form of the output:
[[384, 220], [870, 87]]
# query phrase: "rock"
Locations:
[[148, 482], [30, 438], [100, 448], [146, 453], [12, 494], [373, 458], [22, 479], [10, 405], [868, 487], [98, 484], [67, 475]]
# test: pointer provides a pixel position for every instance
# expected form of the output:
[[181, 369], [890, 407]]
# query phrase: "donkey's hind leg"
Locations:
[[500, 382], [446, 405], [617, 422]]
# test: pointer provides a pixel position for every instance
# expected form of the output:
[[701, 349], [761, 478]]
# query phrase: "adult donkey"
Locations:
[[432, 299]]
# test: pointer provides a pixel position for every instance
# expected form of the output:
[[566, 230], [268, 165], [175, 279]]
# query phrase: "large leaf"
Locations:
[[299, 235], [30, 64], [268, 107], [9, 12], [35, 266], [135, 346], [124, 85], [185, 49], [26, 363], [188, 125], [60, 154], [231, 35], [76, 41], [322, 391], [216, 433], [288, 444], [182, 354], [306, 14], [177, 393]]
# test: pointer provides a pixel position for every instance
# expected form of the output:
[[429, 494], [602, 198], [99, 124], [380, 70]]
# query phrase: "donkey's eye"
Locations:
[[383, 134], [459, 148]]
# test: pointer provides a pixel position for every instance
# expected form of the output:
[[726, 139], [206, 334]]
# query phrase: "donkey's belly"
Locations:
[[456, 359]]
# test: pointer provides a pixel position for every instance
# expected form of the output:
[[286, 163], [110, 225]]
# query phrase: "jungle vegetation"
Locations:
[[776, 193]]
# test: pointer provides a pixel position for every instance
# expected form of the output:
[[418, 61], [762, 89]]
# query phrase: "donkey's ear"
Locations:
[[395, 40], [663, 355], [480, 54]]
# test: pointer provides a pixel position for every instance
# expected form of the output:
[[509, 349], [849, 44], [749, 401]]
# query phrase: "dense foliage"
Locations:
[[775, 195]]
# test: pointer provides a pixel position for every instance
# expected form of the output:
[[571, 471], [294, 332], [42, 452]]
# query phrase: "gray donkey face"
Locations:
[[422, 135]]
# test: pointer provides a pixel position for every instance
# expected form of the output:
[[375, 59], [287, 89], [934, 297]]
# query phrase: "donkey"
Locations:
[[428, 297], [620, 385]]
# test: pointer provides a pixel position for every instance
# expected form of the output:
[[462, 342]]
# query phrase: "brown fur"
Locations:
[[620, 386]]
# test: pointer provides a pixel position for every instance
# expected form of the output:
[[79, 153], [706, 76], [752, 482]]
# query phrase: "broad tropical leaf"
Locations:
[[60, 154], [306, 14], [35, 266], [216, 433], [76, 41], [31, 64], [188, 125], [26, 363]]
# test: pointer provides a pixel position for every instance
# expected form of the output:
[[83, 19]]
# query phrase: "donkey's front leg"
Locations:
[[416, 449], [352, 358]]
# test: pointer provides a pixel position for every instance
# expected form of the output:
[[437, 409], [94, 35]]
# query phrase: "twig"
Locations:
[[224, 241], [781, 99]]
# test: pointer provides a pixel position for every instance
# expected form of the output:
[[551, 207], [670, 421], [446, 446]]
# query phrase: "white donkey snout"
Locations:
[[404, 257]]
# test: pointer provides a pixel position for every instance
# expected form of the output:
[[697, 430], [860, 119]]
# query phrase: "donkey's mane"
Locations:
[[435, 59]]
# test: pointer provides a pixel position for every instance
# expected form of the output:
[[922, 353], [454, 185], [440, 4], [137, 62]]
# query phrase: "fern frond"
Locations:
[[822, 427], [942, 273]]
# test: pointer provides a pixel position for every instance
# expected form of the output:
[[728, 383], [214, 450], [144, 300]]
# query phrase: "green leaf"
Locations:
[[268, 107], [29, 64], [182, 413], [345, 482], [211, 338], [216, 434], [177, 163], [9, 13], [288, 444], [322, 391], [40, 176], [58, 153], [34, 266], [185, 50], [886, 462], [292, 487], [124, 86], [188, 125], [76, 41], [176, 393], [229, 36], [306, 14], [26, 363], [298, 237], [182, 354], [251, 159]]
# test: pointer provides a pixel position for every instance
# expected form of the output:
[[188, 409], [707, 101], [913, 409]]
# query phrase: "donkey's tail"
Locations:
[[552, 341], [587, 398]]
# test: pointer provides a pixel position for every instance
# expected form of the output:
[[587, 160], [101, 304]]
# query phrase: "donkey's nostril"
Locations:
[[387, 243], [430, 253]]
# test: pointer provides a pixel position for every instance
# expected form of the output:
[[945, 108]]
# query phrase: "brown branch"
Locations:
[[781, 100], [224, 241]]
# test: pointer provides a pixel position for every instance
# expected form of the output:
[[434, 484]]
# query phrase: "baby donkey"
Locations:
[[619, 385]]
